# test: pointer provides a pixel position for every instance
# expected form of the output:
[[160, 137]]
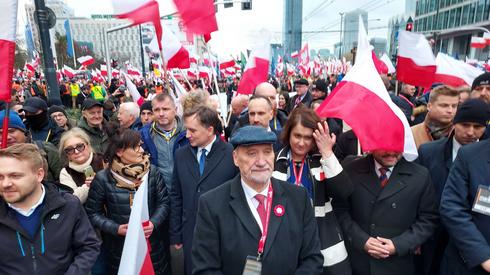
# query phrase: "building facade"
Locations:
[[350, 29], [292, 26], [379, 45]]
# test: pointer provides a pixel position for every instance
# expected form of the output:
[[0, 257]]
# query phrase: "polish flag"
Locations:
[[362, 101], [86, 60], [198, 16], [454, 72], [204, 72], [191, 74], [290, 69], [68, 72], [115, 73], [133, 71], [256, 71], [193, 58], [385, 59], [478, 42], [30, 68], [226, 63], [8, 23], [416, 63], [103, 70], [295, 54], [304, 57], [133, 91], [486, 35], [174, 52], [139, 12], [380, 66], [135, 257]]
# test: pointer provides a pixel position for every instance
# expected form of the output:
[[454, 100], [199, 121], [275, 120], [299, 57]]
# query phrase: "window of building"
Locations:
[[479, 11], [471, 16], [445, 17], [451, 19], [457, 17], [464, 17], [486, 12]]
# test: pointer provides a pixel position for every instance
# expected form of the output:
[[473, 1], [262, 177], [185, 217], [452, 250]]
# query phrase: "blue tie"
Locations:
[[202, 160]]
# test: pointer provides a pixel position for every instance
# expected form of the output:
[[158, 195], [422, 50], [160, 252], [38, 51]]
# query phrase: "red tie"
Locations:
[[383, 177], [261, 208]]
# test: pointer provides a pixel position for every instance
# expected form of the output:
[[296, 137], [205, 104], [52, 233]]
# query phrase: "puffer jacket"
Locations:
[[335, 256], [108, 206]]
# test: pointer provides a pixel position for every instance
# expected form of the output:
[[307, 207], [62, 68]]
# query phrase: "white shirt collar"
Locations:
[[31, 210], [252, 202], [377, 165], [209, 146], [456, 146]]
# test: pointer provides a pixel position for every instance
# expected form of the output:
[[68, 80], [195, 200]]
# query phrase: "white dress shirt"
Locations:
[[378, 166], [456, 146], [253, 202], [207, 147]]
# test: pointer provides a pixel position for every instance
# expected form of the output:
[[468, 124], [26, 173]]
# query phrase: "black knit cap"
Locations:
[[146, 106], [473, 110], [483, 79], [56, 108]]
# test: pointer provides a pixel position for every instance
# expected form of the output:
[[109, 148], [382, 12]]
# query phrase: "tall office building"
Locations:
[[292, 27], [379, 45], [350, 29]]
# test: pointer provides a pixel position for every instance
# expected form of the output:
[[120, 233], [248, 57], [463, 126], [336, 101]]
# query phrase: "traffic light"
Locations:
[[247, 5], [409, 26]]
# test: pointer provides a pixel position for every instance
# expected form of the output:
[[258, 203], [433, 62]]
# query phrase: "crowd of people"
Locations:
[[271, 188]]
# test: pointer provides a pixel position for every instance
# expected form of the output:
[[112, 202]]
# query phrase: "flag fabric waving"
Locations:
[[8, 23], [380, 66], [362, 101], [175, 54], [198, 16], [416, 63], [256, 71], [385, 59], [140, 11], [133, 91], [86, 60], [135, 258], [454, 72]]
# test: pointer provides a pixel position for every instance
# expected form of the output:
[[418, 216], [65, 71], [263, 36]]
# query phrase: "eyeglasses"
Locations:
[[71, 150]]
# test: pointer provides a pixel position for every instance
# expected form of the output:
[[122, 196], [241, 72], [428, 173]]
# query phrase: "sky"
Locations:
[[241, 30]]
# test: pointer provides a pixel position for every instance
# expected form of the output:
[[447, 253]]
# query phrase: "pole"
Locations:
[[340, 38], [214, 71], [142, 53], [49, 70], [107, 56], [72, 45]]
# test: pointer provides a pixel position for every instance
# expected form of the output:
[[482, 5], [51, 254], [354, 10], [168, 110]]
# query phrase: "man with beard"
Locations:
[[406, 101], [389, 215], [443, 101], [255, 223], [38, 122]]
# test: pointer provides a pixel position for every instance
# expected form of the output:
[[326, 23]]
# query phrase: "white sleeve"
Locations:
[[331, 166]]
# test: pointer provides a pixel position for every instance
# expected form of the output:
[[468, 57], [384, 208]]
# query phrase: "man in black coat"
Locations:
[[303, 96], [205, 163], [253, 221], [390, 213], [438, 156], [42, 231]]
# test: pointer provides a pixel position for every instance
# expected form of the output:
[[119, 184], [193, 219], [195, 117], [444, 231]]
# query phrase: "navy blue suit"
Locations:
[[188, 186], [469, 231]]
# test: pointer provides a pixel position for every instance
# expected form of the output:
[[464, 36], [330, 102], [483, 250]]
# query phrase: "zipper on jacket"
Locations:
[[34, 260]]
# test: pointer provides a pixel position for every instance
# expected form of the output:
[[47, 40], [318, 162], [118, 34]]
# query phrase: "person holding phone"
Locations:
[[82, 163]]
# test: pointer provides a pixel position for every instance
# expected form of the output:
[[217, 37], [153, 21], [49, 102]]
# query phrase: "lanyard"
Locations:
[[268, 207], [408, 101], [298, 175], [155, 128], [48, 136]]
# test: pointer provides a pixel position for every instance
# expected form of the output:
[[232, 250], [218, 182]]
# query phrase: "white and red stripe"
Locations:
[[304, 55], [68, 72], [486, 36], [295, 54], [380, 66], [226, 63], [103, 70], [385, 59], [416, 63], [86, 60], [362, 101], [8, 23], [174, 52], [478, 42], [256, 71], [454, 72]]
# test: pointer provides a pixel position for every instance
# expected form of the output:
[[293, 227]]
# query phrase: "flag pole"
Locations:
[[214, 72], [5, 130], [185, 77], [165, 73]]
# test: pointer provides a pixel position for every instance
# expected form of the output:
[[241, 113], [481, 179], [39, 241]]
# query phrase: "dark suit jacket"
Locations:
[[469, 231], [188, 186], [306, 101], [403, 211], [226, 233]]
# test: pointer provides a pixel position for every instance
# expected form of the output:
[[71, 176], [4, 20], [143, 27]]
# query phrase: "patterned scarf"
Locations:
[[129, 176]]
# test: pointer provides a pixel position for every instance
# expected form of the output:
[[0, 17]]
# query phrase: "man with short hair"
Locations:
[[128, 116], [443, 101], [58, 115], [438, 156], [42, 231], [279, 117], [203, 164], [302, 96], [164, 135], [253, 222], [260, 111], [92, 122], [406, 101]]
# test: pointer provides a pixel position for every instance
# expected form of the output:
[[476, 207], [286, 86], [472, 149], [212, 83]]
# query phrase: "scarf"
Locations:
[[81, 167], [438, 131], [128, 176]]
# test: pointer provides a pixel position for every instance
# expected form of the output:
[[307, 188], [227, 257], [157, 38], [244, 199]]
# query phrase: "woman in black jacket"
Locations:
[[308, 161], [111, 196]]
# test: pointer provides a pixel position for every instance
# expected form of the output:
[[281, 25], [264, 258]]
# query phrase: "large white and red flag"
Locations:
[[103, 70], [68, 72], [86, 60], [256, 71], [304, 55], [139, 12], [385, 59], [133, 91], [416, 64], [380, 65], [8, 28], [226, 62], [135, 258], [362, 101], [174, 53], [454, 72], [478, 42], [198, 16]]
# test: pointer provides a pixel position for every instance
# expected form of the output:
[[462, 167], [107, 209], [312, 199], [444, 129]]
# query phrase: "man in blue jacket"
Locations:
[[42, 231]]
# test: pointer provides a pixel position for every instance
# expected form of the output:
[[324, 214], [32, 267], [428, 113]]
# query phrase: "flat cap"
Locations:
[[89, 103], [252, 135], [301, 81]]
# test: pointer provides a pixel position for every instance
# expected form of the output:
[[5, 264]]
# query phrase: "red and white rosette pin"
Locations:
[[279, 210]]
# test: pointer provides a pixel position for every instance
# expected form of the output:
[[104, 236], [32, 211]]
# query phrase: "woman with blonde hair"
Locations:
[[82, 163]]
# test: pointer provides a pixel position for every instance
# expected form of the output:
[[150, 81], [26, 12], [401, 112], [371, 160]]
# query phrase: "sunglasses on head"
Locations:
[[71, 150]]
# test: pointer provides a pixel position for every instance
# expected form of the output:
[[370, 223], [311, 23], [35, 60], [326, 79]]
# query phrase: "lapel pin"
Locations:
[[279, 210]]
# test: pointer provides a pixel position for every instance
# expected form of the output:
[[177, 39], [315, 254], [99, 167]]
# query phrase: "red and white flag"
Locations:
[[388, 63], [30, 68], [133, 91], [416, 63], [362, 101], [135, 257], [256, 71], [454, 72], [103, 70], [295, 54], [68, 72], [8, 28], [478, 42], [304, 55], [198, 16], [174, 52], [133, 71], [380, 66], [226, 62], [140, 11], [115, 73], [86, 60], [204, 72], [486, 36]]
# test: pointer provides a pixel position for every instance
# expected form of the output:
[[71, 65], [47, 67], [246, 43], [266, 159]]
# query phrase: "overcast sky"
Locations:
[[239, 30]]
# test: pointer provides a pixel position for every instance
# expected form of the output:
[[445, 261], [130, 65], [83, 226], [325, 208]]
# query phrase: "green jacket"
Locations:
[[52, 156], [98, 138]]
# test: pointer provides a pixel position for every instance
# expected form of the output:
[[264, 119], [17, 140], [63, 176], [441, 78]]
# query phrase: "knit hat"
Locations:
[[483, 79], [14, 120], [146, 106], [34, 104], [473, 110], [55, 109]]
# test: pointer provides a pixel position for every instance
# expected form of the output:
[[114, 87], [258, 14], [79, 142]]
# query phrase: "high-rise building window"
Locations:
[[464, 17]]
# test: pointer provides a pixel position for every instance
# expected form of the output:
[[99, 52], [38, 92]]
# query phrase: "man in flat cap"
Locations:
[[255, 223], [303, 96]]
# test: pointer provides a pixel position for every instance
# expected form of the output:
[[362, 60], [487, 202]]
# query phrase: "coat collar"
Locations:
[[212, 160]]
